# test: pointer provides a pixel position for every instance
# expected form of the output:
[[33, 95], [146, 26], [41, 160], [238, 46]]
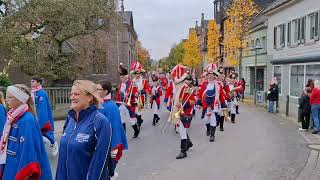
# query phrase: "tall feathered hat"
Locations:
[[213, 69], [179, 72], [136, 67]]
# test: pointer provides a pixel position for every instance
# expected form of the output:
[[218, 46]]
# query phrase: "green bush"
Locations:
[[4, 80]]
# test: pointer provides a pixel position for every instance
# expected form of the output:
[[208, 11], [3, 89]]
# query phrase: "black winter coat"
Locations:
[[274, 93], [304, 104]]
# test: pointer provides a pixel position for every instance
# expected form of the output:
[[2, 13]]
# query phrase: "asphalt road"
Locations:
[[259, 146]]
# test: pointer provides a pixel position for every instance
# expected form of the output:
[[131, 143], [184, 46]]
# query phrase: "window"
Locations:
[[312, 20], [296, 31], [282, 28], [303, 30], [312, 72], [277, 72], [275, 37], [289, 33], [296, 80]]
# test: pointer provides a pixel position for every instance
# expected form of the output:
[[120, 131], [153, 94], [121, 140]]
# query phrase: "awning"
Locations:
[[309, 59]]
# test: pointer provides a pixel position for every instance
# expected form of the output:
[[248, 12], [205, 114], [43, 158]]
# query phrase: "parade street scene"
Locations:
[[159, 90]]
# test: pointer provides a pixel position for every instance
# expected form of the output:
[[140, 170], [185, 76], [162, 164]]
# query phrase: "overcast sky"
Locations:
[[162, 23]]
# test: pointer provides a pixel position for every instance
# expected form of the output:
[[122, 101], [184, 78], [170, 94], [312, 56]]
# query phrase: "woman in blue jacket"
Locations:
[[22, 152], [86, 139]]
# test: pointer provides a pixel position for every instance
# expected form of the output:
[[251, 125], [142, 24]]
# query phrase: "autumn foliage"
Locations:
[[213, 42], [239, 14], [143, 56], [192, 56]]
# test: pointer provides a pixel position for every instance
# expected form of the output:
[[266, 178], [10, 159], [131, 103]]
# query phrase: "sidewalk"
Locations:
[[311, 170]]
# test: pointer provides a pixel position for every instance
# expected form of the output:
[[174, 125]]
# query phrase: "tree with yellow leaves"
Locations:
[[239, 14], [213, 42], [143, 56], [192, 56]]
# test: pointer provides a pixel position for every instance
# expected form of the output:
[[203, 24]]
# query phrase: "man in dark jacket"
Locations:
[[305, 109], [273, 94]]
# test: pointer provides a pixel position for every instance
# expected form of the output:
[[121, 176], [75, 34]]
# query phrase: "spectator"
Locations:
[[305, 109], [273, 94], [315, 106], [243, 87]]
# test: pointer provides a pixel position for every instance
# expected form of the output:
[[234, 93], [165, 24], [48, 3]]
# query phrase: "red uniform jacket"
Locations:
[[202, 95], [119, 95], [169, 92], [155, 96], [187, 98]]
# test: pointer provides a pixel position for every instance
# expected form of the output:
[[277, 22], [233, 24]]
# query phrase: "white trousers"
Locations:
[[125, 116], [210, 117], [155, 107]]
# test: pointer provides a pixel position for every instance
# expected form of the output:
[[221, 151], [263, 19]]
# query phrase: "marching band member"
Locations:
[[85, 143], [169, 93], [44, 114], [22, 152], [210, 96], [185, 106], [141, 89], [111, 111], [156, 93], [125, 100]]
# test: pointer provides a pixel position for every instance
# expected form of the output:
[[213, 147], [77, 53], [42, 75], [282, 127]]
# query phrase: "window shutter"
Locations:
[[283, 43], [289, 34], [303, 30], [275, 38], [316, 35]]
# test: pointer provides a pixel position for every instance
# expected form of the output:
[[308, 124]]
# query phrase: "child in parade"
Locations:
[[127, 110], [210, 95], [156, 93], [44, 113], [22, 152], [87, 136], [140, 88], [233, 106], [185, 106]]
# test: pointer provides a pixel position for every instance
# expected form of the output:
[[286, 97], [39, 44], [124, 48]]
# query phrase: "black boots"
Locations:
[[156, 119], [221, 123], [237, 110], [189, 143], [183, 152], [136, 131], [212, 133], [208, 129], [139, 120]]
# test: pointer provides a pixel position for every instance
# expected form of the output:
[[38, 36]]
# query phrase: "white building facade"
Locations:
[[293, 47]]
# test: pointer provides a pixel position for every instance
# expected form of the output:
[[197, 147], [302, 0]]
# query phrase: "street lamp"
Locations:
[[255, 49]]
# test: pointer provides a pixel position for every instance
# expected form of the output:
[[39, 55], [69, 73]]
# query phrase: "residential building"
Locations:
[[293, 47], [256, 57]]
